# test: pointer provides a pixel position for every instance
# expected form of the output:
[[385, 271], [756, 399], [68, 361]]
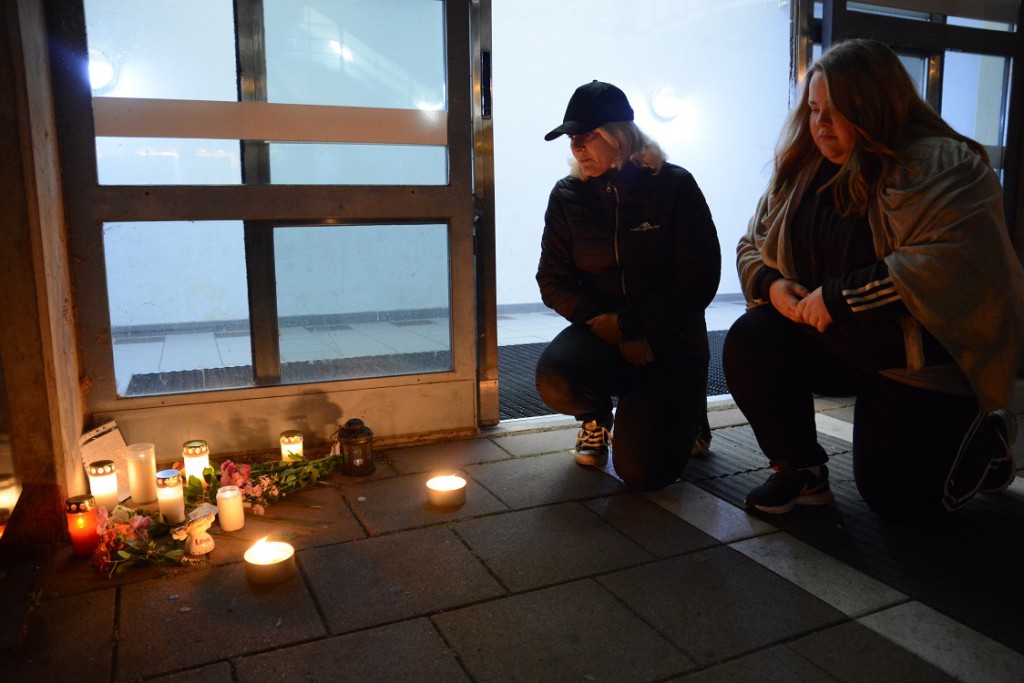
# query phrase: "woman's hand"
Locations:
[[786, 296], [606, 326], [636, 351], [814, 312]]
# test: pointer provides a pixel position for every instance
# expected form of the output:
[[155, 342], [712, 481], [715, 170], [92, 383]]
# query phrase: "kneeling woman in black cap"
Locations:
[[630, 256]]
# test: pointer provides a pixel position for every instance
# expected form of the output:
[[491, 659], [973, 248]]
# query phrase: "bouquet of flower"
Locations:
[[125, 540], [258, 491]]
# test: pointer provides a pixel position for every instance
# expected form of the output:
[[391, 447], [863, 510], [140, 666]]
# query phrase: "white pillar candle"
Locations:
[[269, 562], [103, 483], [170, 497], [196, 455], [230, 512], [141, 459], [291, 445], [446, 491]]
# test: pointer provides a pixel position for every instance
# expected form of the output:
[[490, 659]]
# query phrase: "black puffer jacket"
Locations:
[[634, 243]]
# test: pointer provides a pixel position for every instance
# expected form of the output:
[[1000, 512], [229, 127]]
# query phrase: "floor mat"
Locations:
[[517, 393], [966, 565]]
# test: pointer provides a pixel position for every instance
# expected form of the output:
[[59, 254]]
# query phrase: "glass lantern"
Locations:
[[356, 441]]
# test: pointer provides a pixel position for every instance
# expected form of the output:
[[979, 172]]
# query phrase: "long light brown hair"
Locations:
[[870, 89]]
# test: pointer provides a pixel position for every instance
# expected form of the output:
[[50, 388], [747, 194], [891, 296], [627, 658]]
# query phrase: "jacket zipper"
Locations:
[[618, 262]]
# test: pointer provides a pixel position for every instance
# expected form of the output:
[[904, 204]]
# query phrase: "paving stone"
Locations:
[[650, 525], [855, 654], [407, 651], [543, 479], [199, 617], [551, 544], [574, 631], [219, 672], [394, 577], [401, 503], [535, 443], [305, 519], [448, 455], [775, 665], [715, 604], [72, 635]]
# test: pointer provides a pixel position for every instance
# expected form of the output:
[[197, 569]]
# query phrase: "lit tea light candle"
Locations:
[[103, 483], [196, 455], [230, 511], [269, 561], [141, 459], [291, 445], [82, 523], [447, 491], [170, 498]]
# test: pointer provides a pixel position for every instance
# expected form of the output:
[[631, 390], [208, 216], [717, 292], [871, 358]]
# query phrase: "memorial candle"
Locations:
[[291, 445], [141, 459], [230, 512], [82, 523], [103, 484], [196, 455], [170, 497]]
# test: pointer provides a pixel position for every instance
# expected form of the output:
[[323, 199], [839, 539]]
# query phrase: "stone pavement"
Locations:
[[549, 572]]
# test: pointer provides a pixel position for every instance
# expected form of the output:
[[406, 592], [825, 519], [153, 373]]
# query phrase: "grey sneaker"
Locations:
[[592, 444]]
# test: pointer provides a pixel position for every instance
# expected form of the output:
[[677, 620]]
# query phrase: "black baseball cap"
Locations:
[[592, 106]]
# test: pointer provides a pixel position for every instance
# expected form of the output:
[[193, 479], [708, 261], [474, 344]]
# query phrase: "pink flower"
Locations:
[[246, 471], [139, 522], [102, 515], [257, 509]]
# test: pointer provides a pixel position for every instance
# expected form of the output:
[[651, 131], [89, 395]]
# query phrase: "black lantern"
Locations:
[[356, 448]]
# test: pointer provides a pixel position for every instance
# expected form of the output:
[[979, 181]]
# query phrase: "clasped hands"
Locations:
[[792, 300], [633, 351]]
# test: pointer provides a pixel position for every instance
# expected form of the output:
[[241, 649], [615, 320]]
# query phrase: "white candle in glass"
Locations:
[[230, 512], [170, 497], [141, 459], [103, 483], [291, 446], [196, 455]]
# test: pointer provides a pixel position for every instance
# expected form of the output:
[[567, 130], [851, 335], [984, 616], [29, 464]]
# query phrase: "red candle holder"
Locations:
[[82, 523]]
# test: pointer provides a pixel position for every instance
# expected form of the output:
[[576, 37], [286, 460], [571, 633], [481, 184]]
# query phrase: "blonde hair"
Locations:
[[631, 144], [870, 90]]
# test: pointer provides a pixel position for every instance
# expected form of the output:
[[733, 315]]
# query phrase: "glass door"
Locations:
[[272, 210]]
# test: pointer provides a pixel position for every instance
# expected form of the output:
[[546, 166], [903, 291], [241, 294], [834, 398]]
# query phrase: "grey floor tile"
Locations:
[[534, 443], [68, 635], [407, 651], [775, 665], [712, 515], [401, 503], [855, 654], [650, 525], [445, 455], [395, 577], [550, 544], [717, 604], [201, 616], [219, 672], [305, 519], [571, 632], [543, 479]]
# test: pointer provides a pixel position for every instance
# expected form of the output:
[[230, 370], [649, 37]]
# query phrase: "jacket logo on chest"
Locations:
[[644, 227]]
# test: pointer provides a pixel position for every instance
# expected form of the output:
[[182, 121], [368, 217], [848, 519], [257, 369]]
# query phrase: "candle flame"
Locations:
[[446, 483]]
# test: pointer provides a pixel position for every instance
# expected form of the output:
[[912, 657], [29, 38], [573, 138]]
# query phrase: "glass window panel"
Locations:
[[179, 311], [973, 97], [317, 164], [357, 53], [167, 161], [137, 49], [362, 301]]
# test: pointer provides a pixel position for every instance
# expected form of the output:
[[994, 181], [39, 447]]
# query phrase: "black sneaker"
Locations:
[[788, 488], [1002, 470], [592, 443]]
